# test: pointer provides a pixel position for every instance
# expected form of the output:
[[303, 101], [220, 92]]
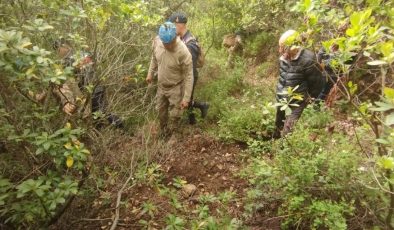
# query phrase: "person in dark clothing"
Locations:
[[85, 75], [298, 68], [180, 20]]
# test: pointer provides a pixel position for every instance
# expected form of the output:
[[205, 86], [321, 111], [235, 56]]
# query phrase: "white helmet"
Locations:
[[286, 35]]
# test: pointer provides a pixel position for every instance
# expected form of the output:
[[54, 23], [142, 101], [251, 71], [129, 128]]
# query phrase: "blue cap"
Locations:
[[167, 32]]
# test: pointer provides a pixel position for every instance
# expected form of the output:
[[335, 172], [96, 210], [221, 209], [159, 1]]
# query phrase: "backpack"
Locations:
[[201, 56]]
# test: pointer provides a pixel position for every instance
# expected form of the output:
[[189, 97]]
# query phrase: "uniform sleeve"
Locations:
[[65, 92], [188, 75], [153, 62], [238, 42]]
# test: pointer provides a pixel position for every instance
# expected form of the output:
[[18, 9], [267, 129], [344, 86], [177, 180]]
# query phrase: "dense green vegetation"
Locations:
[[335, 171]]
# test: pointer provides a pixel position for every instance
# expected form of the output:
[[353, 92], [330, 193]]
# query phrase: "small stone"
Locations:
[[188, 190], [193, 200], [203, 150]]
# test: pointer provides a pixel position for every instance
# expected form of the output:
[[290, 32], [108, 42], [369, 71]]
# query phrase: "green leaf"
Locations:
[[367, 14], [40, 60], [284, 107], [380, 109], [47, 145], [3, 49], [352, 88], [4, 182], [350, 32], [389, 92], [355, 18], [39, 151], [60, 200], [384, 106], [291, 40], [377, 62], [25, 187], [288, 111], [386, 163], [307, 4], [40, 192], [389, 120], [386, 48], [3, 197]]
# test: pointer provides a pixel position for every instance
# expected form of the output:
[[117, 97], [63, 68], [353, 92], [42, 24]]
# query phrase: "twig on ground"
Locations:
[[119, 198]]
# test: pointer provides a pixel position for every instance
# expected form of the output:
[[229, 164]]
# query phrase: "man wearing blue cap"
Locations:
[[180, 20], [173, 63]]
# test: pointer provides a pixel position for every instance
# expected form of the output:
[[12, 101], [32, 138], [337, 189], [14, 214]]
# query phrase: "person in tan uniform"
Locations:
[[233, 44], [68, 92], [173, 63], [72, 94]]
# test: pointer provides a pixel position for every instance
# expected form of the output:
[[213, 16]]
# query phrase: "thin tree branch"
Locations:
[[119, 197]]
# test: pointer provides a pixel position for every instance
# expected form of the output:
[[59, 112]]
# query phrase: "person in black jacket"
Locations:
[[180, 20], [299, 70]]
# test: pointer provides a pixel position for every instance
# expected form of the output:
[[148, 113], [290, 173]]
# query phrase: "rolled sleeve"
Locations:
[[188, 77]]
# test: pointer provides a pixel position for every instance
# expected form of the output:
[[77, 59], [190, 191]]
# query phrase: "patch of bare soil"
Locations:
[[208, 164]]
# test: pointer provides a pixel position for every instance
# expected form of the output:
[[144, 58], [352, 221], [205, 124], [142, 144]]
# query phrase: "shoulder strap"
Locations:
[[189, 39]]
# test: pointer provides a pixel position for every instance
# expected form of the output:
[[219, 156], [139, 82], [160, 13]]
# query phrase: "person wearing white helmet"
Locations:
[[173, 63], [299, 70]]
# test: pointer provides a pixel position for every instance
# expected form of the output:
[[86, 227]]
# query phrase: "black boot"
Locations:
[[203, 106], [192, 118], [115, 121]]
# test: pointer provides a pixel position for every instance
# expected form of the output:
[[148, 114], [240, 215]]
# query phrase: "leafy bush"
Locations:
[[315, 177], [219, 93], [45, 157], [244, 123], [317, 118], [259, 42], [28, 197], [358, 39]]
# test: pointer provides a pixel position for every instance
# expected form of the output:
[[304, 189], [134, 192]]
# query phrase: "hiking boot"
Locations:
[[276, 134], [192, 119], [115, 121], [204, 109], [203, 106]]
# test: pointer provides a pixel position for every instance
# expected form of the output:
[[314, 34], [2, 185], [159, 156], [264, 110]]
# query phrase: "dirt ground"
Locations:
[[199, 159]]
